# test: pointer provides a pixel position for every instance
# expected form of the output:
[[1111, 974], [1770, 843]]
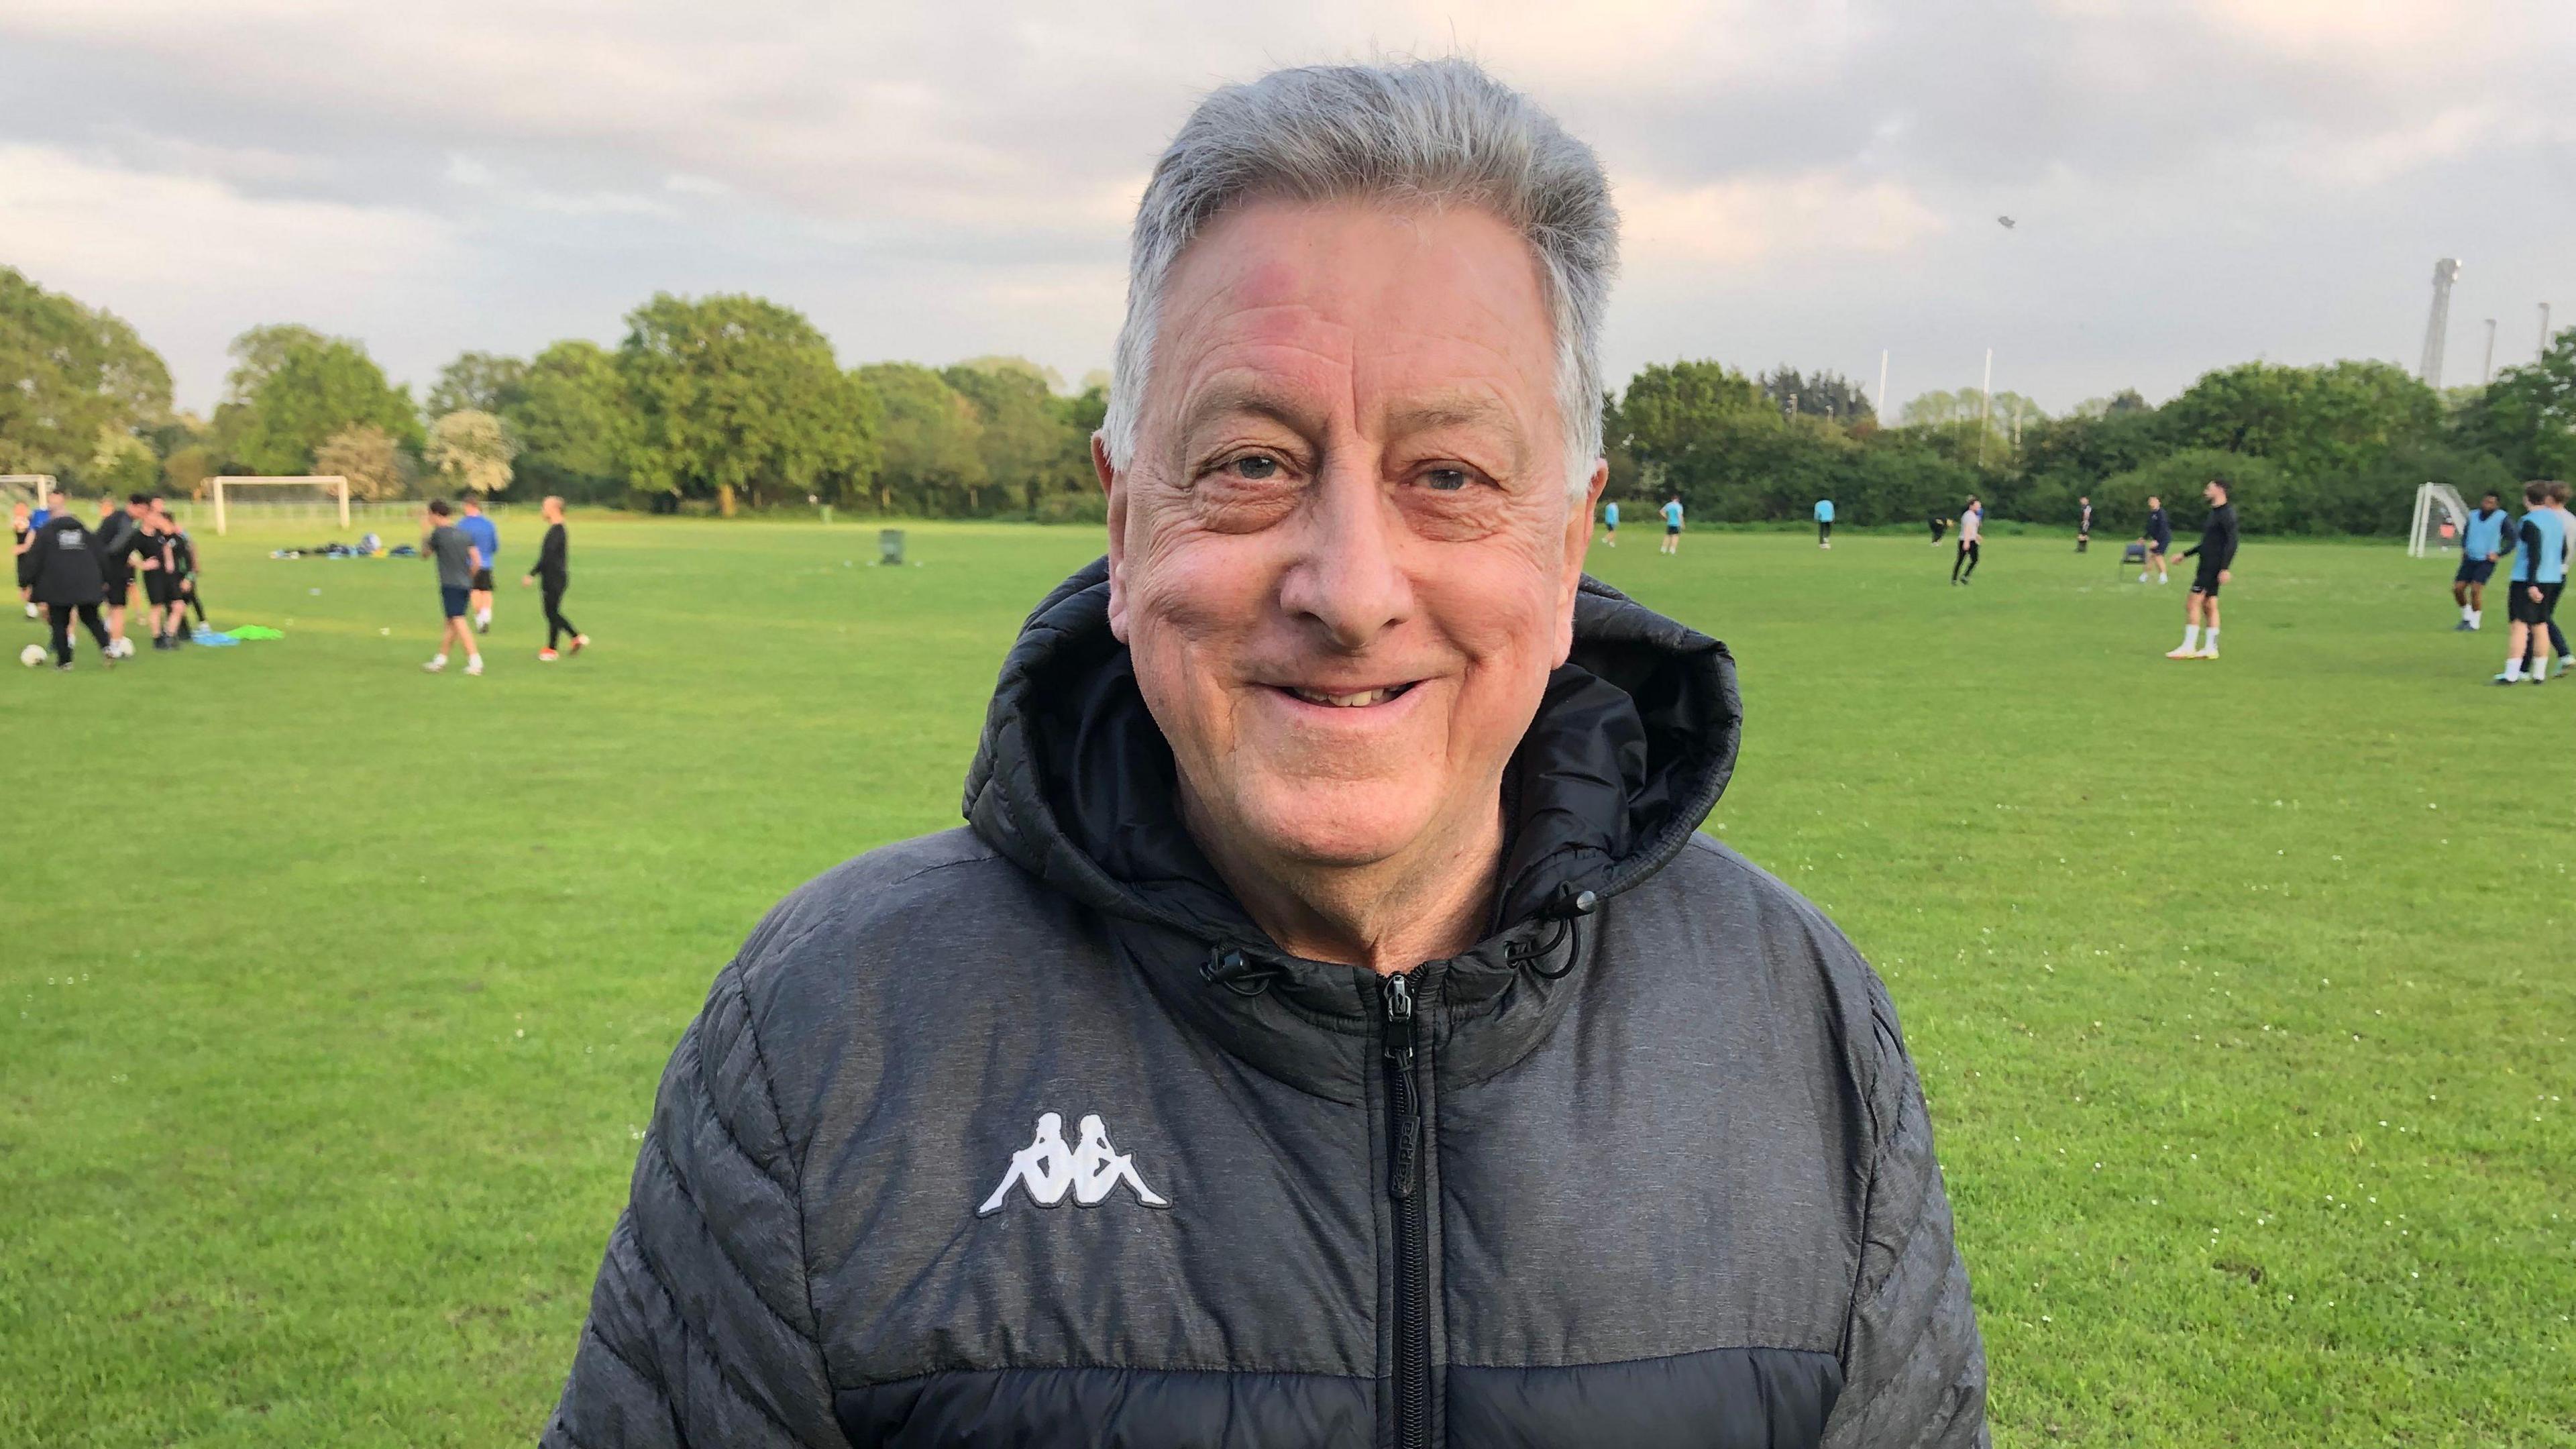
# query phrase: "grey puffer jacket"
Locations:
[[1025, 1135]]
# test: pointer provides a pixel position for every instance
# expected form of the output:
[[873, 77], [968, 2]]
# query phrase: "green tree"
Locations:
[[1029, 444], [573, 422], [477, 382], [1670, 412], [2320, 424], [471, 451], [933, 448], [122, 463], [2527, 416], [293, 390], [739, 397], [67, 371]]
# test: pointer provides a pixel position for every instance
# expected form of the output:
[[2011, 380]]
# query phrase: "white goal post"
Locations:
[[2435, 504], [41, 484], [338, 485]]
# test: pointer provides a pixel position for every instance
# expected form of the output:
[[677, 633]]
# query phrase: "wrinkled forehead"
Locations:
[[1393, 307]]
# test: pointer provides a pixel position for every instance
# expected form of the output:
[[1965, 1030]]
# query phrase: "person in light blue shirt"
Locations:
[[1672, 512], [478, 530], [2481, 541], [1824, 523], [1610, 523], [2539, 572]]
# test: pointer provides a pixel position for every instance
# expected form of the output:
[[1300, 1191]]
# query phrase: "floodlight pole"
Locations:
[[1986, 407], [2544, 330], [2487, 374], [1882, 386]]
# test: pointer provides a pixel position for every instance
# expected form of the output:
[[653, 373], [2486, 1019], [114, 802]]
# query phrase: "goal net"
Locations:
[[315, 496], [2439, 517]]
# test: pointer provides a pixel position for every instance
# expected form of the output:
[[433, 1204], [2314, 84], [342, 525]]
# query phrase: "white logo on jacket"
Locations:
[[1049, 1169]]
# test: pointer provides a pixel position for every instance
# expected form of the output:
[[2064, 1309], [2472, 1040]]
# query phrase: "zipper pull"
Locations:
[[1404, 1166]]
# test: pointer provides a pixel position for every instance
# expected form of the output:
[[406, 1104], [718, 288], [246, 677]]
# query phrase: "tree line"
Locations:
[[728, 402]]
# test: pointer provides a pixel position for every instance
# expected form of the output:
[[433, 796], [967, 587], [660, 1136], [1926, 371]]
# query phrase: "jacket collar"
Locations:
[[1631, 745]]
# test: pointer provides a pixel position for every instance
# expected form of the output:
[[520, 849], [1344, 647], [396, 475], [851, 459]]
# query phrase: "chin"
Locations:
[[1337, 822]]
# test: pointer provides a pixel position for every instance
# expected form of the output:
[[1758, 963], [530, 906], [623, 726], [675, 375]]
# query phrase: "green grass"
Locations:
[[337, 992]]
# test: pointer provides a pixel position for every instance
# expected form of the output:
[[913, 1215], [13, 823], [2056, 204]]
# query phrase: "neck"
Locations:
[[1422, 904]]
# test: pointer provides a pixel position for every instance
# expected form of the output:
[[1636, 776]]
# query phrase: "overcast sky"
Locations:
[[2193, 184]]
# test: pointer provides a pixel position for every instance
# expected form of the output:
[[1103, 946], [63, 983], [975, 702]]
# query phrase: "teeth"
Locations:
[[1360, 700]]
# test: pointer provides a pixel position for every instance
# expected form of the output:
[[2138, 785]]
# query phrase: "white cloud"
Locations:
[[191, 261], [1746, 220]]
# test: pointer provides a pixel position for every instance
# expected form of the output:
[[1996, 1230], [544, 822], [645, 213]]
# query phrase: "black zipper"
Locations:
[[1412, 1223]]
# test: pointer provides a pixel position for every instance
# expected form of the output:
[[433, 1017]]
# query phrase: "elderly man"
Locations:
[[1333, 868]]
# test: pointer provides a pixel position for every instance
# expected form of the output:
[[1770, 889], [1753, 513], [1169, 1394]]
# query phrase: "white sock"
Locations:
[[2466, 613], [2513, 667], [2474, 615], [2191, 636], [2211, 645]]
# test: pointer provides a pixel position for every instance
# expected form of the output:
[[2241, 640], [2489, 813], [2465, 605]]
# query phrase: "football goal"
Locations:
[[2439, 517], [331, 485], [35, 488]]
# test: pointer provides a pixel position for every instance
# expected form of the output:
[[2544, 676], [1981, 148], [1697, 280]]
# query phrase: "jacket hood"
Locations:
[[1074, 782], [1630, 748]]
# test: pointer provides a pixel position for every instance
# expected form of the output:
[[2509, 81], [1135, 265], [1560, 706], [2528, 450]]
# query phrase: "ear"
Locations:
[[1117, 497], [1578, 544]]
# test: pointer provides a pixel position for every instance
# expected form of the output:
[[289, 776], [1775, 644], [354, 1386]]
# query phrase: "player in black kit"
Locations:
[[2216, 551]]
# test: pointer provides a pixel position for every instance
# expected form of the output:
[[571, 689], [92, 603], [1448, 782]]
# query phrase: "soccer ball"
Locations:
[[32, 655]]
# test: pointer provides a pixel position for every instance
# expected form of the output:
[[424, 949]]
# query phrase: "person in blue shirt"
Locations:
[[2539, 549], [2481, 541], [478, 530], [1672, 512], [1824, 523], [1610, 523]]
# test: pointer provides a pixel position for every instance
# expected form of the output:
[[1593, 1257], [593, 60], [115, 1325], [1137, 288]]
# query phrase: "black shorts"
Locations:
[[159, 588], [2206, 581], [2157, 547], [483, 580], [1672, 530], [118, 585], [2474, 571], [2523, 610]]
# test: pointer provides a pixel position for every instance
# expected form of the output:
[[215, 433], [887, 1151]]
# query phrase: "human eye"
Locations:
[[1253, 468]]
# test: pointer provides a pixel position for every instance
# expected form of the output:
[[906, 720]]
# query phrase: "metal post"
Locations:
[[344, 503], [2544, 329], [1986, 407], [1882, 387], [2487, 374], [219, 505]]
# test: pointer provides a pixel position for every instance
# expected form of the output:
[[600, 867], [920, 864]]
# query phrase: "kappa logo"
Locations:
[[1050, 1170]]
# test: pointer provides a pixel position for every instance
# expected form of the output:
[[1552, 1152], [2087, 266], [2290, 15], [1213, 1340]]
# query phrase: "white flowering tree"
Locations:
[[472, 451]]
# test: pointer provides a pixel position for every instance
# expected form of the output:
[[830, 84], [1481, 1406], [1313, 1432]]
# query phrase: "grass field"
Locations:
[[2243, 992]]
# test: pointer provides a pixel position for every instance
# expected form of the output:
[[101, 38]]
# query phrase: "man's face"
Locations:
[[2154, 502], [1344, 557], [2213, 493]]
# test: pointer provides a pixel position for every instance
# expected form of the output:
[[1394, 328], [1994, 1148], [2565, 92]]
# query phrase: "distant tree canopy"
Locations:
[[477, 382], [292, 389], [68, 372], [739, 398], [573, 426], [725, 402]]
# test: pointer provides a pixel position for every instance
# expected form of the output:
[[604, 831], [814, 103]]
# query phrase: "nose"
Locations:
[[1347, 581]]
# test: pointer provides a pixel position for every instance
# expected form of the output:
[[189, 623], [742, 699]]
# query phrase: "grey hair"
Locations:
[[1429, 132]]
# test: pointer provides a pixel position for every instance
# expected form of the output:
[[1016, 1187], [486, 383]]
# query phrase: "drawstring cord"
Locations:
[[1229, 967], [1566, 912]]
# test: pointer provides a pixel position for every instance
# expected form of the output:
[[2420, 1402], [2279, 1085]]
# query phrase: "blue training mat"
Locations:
[[209, 636]]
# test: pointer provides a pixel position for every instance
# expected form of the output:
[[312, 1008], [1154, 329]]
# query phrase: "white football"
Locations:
[[32, 655]]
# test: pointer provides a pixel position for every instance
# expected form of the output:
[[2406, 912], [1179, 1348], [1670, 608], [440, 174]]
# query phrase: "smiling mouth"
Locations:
[[1356, 699]]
